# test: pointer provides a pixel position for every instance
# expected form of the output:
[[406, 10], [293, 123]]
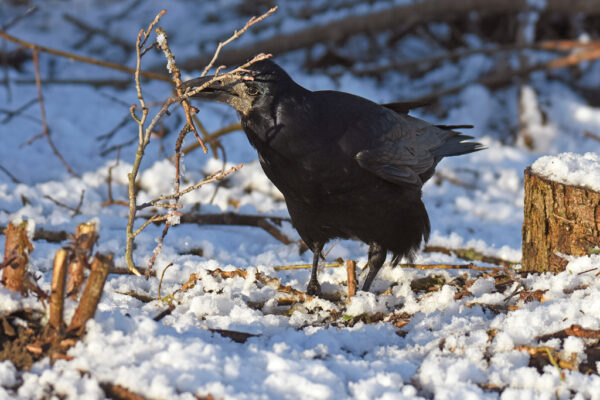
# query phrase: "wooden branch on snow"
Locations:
[[351, 268], [59, 273], [83, 246], [264, 222], [91, 294], [16, 257], [388, 18]]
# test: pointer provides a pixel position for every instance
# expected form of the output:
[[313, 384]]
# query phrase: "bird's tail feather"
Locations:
[[456, 145]]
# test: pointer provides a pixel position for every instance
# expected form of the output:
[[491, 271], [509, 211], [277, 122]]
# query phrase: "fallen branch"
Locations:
[[264, 222], [470, 254], [552, 45], [82, 247], [59, 273], [307, 266], [503, 77], [91, 294], [294, 296], [351, 268], [384, 19], [573, 330]]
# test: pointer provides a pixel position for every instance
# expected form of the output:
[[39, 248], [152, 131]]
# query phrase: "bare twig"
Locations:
[[143, 138], [144, 133], [470, 255], [6, 26], [157, 249], [91, 30], [592, 135], [34, 47], [213, 137], [263, 222], [110, 200], [162, 276], [382, 19], [46, 131], [351, 268], [76, 210], [236, 35], [10, 114], [11, 176], [117, 83], [553, 45], [214, 177], [503, 77], [307, 266]]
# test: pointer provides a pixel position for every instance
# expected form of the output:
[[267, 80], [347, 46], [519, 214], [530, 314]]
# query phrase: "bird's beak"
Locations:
[[229, 90]]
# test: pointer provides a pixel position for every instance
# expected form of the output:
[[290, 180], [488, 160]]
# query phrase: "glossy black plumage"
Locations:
[[347, 167]]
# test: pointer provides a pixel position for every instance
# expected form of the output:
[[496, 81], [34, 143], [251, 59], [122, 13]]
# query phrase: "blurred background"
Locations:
[[525, 73]]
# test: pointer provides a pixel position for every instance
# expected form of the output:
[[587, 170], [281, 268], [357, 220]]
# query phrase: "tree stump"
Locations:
[[560, 219]]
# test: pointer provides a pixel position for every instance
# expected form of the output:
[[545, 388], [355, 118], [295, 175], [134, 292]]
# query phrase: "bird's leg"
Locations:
[[377, 256], [313, 288]]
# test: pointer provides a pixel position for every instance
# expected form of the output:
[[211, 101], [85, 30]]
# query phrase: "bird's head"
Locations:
[[259, 84]]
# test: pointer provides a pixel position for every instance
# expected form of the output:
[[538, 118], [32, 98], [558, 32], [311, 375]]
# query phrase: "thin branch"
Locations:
[[76, 210], [11, 176], [76, 57], [16, 19], [470, 255], [592, 135], [503, 77], [215, 177], [157, 249], [10, 114], [118, 83], [553, 45], [233, 37], [127, 47], [213, 137], [46, 131]]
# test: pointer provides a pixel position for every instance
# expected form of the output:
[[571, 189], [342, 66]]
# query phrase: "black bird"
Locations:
[[347, 167]]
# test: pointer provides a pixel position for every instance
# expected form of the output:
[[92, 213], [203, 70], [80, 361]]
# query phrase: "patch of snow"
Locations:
[[571, 169]]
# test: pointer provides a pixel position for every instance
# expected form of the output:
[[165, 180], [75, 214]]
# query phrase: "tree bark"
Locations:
[[559, 220], [16, 257], [83, 245]]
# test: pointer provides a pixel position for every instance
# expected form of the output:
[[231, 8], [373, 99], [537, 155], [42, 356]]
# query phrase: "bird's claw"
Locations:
[[313, 288]]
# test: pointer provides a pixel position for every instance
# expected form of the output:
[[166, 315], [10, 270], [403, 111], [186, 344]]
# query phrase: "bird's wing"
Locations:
[[408, 150]]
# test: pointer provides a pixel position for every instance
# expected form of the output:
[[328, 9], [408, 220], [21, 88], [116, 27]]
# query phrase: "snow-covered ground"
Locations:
[[398, 343]]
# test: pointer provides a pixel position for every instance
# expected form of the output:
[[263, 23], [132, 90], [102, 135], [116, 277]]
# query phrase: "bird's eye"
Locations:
[[252, 90]]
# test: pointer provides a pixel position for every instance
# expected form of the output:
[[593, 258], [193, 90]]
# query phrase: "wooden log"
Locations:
[[83, 245], [91, 294], [16, 257], [559, 220]]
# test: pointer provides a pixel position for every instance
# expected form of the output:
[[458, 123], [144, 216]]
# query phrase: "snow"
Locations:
[[451, 347], [570, 169]]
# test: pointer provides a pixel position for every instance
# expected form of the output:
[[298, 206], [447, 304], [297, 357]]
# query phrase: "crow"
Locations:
[[347, 167]]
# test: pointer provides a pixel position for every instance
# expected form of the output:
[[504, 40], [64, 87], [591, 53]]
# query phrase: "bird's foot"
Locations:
[[313, 288]]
